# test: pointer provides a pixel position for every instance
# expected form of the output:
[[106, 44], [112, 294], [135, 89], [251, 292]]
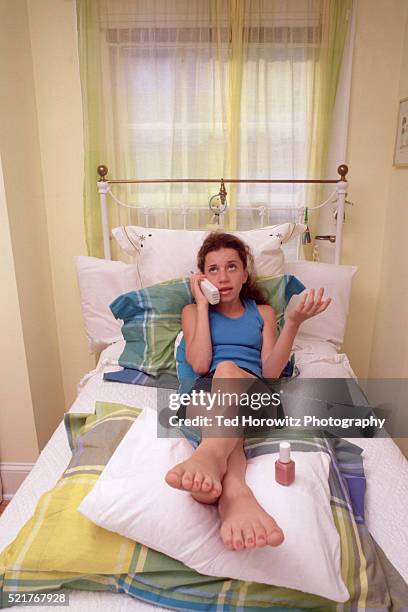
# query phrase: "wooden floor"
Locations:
[[3, 506]]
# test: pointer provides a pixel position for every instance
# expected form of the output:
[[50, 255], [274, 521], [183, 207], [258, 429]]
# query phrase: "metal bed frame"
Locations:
[[339, 195]]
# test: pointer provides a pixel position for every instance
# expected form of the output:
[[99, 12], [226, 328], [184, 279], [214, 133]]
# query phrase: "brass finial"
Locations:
[[342, 170], [102, 171]]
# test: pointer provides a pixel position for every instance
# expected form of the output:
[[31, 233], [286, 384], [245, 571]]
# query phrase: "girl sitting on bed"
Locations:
[[216, 469]]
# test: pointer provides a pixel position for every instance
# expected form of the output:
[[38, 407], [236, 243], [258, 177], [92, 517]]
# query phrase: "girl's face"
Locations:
[[225, 270]]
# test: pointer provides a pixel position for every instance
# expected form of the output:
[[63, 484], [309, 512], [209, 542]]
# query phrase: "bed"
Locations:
[[385, 467]]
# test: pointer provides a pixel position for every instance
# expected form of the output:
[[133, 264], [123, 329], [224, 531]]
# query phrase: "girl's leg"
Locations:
[[203, 472], [244, 523]]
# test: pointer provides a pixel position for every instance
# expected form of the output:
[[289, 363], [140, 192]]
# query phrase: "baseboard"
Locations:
[[12, 475]]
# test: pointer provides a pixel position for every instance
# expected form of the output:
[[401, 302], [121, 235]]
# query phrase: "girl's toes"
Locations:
[[198, 481], [237, 539], [207, 485], [260, 535], [187, 481], [274, 537], [226, 536], [173, 479], [216, 489], [260, 541], [249, 536]]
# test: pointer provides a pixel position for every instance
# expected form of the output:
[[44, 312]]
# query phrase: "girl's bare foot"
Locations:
[[244, 523], [201, 475]]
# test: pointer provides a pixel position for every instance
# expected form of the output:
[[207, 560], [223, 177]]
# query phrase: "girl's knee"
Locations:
[[227, 369]]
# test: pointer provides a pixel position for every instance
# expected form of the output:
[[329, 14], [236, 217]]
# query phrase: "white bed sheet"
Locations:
[[385, 467]]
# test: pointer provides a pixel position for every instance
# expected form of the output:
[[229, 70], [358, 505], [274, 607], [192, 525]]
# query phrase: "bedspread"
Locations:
[[95, 559]]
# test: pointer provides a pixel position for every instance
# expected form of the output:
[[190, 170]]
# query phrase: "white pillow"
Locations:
[[132, 498], [100, 281], [337, 281], [164, 254]]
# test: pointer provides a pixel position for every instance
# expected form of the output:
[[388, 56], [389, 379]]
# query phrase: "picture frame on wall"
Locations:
[[401, 140]]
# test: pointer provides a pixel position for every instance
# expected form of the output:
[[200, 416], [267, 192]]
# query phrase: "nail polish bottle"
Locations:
[[284, 466]]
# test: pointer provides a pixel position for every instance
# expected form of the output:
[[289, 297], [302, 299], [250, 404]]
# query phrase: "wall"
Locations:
[[16, 443], [59, 109], [27, 229], [375, 92], [389, 355]]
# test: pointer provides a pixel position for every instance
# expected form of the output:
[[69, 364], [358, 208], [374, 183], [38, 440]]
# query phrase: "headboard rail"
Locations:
[[338, 195]]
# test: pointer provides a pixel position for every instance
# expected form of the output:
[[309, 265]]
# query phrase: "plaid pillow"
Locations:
[[278, 291], [152, 319]]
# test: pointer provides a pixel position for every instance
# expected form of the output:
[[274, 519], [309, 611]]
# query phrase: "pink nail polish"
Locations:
[[284, 466]]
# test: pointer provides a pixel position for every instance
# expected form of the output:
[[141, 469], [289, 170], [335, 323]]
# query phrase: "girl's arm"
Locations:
[[196, 329], [276, 352]]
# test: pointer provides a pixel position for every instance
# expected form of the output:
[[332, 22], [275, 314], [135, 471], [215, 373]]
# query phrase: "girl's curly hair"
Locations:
[[220, 240]]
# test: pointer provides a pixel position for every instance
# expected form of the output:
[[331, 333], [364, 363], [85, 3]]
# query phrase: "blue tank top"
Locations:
[[239, 339]]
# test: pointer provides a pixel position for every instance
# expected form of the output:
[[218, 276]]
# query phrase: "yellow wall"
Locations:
[[18, 441], [389, 356], [27, 226], [377, 66], [59, 108]]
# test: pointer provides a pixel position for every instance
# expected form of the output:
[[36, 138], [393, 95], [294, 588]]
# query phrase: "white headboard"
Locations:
[[265, 215]]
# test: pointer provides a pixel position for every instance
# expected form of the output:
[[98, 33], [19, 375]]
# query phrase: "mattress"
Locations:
[[385, 467]]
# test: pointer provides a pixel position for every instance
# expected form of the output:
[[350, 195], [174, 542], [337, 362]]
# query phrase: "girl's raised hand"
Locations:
[[308, 307], [198, 295]]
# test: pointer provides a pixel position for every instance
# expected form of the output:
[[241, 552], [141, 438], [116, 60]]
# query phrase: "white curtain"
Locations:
[[207, 89]]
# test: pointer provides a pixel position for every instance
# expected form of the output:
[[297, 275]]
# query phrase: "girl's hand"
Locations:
[[308, 307], [198, 295]]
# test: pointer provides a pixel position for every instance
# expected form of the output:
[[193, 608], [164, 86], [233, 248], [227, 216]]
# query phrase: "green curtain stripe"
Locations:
[[92, 100], [336, 18]]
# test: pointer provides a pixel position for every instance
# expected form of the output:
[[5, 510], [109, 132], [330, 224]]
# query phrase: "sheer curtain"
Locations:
[[207, 89]]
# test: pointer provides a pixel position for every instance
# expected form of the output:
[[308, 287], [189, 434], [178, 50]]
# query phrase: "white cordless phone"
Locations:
[[211, 293]]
